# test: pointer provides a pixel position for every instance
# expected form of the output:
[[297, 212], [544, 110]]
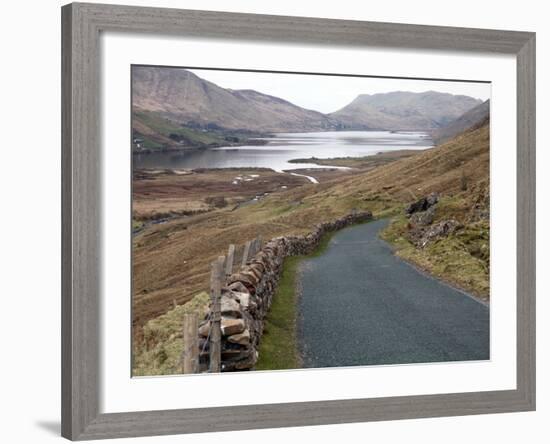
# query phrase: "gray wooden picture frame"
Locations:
[[81, 167]]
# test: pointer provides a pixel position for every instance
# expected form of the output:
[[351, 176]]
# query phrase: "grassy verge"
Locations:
[[278, 349], [137, 224], [279, 344], [462, 258], [160, 352]]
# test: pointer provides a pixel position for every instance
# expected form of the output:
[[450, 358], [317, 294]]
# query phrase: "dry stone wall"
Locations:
[[247, 295]]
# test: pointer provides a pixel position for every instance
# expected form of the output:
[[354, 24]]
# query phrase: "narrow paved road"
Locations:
[[361, 305]]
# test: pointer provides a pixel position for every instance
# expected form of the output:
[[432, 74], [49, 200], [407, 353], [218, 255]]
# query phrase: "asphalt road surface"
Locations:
[[361, 305]]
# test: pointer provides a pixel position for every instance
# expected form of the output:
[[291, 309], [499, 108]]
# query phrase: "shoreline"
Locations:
[[192, 148], [262, 140], [298, 172], [351, 162]]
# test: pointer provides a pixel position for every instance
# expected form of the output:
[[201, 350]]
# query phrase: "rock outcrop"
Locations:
[[422, 236], [422, 229], [422, 204], [422, 218], [247, 295]]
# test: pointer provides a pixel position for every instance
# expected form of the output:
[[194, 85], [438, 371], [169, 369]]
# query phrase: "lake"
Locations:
[[286, 146]]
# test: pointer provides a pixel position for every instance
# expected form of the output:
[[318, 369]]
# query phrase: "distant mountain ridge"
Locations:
[[182, 96], [175, 107], [473, 118], [402, 110]]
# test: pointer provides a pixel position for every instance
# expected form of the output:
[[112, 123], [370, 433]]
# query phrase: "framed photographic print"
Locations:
[[278, 221]]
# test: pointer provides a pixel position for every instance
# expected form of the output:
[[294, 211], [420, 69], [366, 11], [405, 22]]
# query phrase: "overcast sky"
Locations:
[[327, 93]]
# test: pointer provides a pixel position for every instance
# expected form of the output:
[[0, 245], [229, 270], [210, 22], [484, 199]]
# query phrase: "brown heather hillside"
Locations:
[[438, 169], [175, 108], [185, 99], [171, 261]]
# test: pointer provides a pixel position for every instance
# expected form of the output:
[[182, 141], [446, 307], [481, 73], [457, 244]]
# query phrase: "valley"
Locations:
[[215, 166], [175, 110]]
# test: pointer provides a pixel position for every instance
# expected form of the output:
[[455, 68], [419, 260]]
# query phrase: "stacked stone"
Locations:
[[421, 227], [247, 295]]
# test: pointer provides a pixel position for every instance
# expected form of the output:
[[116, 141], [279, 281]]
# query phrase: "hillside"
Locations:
[[171, 260], [402, 110], [184, 98], [476, 116], [173, 108], [153, 132]]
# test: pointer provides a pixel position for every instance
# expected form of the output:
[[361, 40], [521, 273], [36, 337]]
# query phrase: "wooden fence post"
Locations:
[[229, 261], [255, 247], [190, 343], [215, 313], [246, 253]]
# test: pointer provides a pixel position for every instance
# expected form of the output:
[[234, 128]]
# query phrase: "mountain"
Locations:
[[175, 108], [475, 117], [182, 97], [401, 110]]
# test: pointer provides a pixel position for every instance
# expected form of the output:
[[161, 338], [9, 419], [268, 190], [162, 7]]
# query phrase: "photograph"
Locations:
[[274, 222], [287, 221]]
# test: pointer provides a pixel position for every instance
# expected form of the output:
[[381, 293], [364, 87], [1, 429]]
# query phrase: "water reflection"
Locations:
[[286, 146]]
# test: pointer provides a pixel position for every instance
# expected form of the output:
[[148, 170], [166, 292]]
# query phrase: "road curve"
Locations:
[[359, 304]]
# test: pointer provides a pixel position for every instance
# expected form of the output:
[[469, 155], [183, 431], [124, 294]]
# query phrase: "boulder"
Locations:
[[247, 363], [422, 204], [232, 326], [441, 229], [242, 298], [230, 307], [432, 199], [423, 236], [256, 269], [240, 338], [423, 218], [247, 278], [237, 286], [234, 354]]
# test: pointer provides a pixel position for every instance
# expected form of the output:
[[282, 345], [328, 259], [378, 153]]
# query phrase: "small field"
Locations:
[[167, 193], [157, 133]]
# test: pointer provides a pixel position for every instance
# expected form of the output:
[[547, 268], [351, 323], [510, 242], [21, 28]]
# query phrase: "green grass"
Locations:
[[136, 224], [160, 352], [279, 344], [165, 127], [149, 143], [461, 258], [161, 129], [278, 348]]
